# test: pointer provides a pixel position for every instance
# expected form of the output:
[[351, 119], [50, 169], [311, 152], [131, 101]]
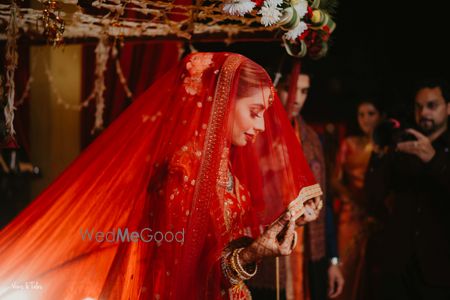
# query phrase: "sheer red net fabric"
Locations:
[[159, 173]]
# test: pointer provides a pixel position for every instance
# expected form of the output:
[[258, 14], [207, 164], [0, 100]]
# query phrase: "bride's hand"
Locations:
[[311, 211], [268, 245]]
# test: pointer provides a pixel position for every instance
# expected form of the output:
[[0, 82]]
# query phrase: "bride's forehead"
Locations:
[[260, 96], [259, 92]]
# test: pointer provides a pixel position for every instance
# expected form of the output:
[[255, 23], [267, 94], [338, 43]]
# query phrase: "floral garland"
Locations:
[[11, 58], [3, 129], [102, 52], [307, 26]]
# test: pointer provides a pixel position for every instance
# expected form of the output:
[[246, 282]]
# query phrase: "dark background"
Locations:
[[378, 48]]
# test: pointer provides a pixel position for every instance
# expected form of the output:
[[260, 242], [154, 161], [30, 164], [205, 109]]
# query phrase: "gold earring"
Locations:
[[254, 138]]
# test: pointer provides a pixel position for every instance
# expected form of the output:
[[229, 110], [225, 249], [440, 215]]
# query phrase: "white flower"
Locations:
[[302, 8], [297, 31], [238, 7], [270, 15]]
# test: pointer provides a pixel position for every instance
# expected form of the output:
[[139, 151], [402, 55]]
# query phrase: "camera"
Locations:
[[390, 132]]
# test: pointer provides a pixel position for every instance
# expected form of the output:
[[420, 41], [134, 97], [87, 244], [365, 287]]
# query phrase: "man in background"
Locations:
[[312, 270], [409, 190]]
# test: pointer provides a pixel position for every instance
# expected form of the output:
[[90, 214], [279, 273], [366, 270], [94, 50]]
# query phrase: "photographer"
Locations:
[[408, 187]]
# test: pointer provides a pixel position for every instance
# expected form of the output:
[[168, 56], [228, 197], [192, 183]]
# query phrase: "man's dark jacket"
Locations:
[[412, 199]]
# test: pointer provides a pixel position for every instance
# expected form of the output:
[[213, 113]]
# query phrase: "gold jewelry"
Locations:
[[254, 138], [239, 269], [230, 182], [234, 266], [227, 271]]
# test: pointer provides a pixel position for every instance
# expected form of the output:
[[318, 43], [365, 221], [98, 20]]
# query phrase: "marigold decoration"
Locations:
[[307, 23]]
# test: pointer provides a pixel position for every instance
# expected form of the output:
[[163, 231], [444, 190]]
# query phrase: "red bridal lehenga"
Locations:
[[165, 170]]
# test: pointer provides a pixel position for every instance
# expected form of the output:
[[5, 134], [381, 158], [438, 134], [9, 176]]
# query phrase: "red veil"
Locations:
[[160, 165]]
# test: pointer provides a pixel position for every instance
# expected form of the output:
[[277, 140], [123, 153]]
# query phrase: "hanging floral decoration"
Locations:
[[119, 72], [3, 129], [53, 24], [307, 23], [11, 59], [102, 52]]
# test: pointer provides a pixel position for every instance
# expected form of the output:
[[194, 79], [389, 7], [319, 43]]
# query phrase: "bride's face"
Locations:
[[248, 117]]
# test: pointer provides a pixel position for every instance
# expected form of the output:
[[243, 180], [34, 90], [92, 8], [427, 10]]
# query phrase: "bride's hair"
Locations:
[[251, 76]]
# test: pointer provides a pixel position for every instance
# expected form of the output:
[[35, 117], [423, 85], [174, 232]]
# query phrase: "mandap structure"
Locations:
[[303, 26]]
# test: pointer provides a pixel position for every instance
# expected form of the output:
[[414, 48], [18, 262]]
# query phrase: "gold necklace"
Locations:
[[230, 182]]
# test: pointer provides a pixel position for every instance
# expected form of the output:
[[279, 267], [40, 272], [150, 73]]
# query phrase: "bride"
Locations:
[[199, 179]]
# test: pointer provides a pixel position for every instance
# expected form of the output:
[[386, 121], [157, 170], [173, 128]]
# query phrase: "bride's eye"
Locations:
[[256, 114]]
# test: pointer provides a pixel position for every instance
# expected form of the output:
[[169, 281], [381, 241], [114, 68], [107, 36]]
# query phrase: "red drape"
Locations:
[[142, 63]]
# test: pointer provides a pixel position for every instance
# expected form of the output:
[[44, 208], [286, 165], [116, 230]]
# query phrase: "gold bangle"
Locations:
[[228, 273], [240, 270], [234, 266]]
